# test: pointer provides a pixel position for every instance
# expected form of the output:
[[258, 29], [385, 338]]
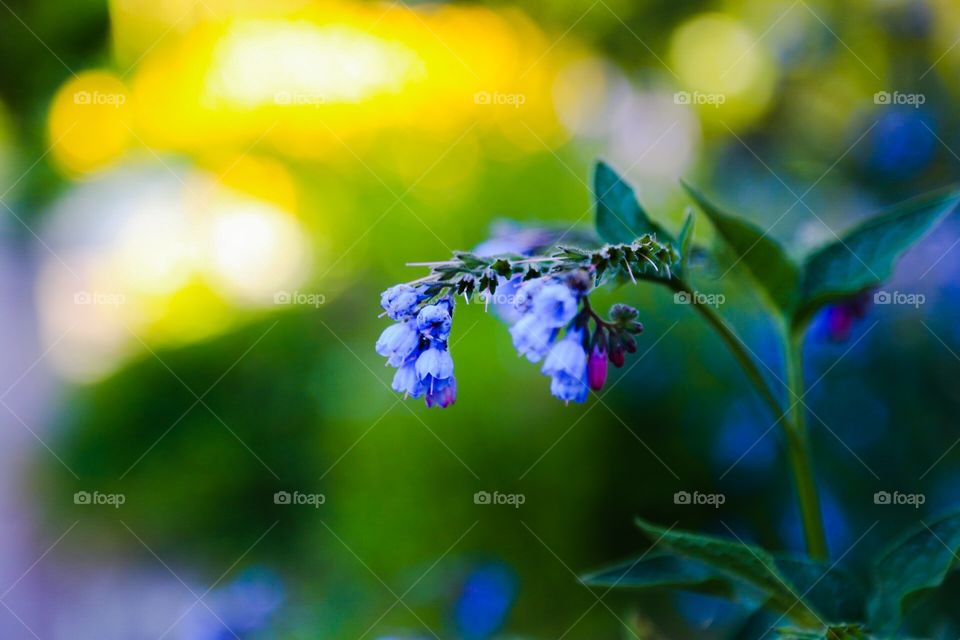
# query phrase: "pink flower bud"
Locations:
[[597, 369]]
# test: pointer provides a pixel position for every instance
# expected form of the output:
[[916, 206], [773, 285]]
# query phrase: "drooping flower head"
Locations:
[[545, 299]]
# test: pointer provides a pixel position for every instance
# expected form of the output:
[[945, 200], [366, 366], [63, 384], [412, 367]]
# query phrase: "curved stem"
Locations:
[[736, 346], [792, 420]]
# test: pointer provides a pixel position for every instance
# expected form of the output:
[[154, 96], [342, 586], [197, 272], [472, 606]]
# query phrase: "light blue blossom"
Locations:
[[398, 342], [434, 363], [434, 322], [567, 357], [568, 388], [526, 292], [566, 364], [532, 338], [400, 301], [407, 382], [555, 305]]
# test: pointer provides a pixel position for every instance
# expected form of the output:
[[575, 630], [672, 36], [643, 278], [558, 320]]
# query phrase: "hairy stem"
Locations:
[[792, 421]]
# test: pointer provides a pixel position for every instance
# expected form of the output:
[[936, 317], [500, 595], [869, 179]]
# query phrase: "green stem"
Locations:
[[793, 420], [798, 448], [736, 346]]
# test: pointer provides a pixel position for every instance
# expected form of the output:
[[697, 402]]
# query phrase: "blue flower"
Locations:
[[566, 364], [400, 301], [407, 382], [526, 292], [434, 321], [567, 388], [397, 342], [567, 357], [441, 393], [555, 305], [532, 338], [434, 363]]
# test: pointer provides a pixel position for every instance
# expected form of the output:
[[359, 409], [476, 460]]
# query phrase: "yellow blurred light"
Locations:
[[90, 122], [276, 62], [327, 80], [727, 71]]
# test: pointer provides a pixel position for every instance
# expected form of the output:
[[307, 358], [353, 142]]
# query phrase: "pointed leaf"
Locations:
[[667, 571], [756, 251], [800, 589], [917, 562], [685, 239], [866, 256], [620, 218]]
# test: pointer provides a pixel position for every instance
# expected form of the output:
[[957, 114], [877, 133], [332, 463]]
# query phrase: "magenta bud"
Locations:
[[597, 369]]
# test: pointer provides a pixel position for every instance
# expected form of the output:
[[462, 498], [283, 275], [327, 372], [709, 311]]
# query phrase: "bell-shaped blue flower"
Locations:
[[567, 357], [434, 363], [398, 342], [434, 321], [566, 364], [407, 382], [400, 301], [555, 305], [532, 338], [568, 388]]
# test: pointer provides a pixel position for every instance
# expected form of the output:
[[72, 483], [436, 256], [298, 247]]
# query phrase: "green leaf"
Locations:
[[866, 256], [667, 571], [916, 563], [809, 593], [761, 255], [620, 218]]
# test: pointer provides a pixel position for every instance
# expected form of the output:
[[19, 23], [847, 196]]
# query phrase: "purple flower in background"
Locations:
[[838, 319]]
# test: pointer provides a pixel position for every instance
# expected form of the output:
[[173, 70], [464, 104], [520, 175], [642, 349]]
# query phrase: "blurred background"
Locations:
[[202, 199]]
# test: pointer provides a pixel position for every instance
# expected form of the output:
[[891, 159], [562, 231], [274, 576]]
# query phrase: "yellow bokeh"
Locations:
[[725, 69], [90, 122]]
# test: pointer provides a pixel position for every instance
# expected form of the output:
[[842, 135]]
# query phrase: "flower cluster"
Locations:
[[545, 299], [576, 362], [417, 345]]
